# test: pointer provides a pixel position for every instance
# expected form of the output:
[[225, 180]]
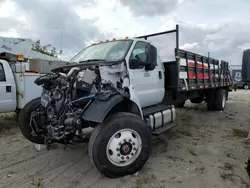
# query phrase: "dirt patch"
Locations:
[[205, 150], [240, 133], [8, 123]]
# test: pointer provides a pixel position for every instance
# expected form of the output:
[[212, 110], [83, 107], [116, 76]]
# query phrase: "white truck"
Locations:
[[127, 94], [17, 86]]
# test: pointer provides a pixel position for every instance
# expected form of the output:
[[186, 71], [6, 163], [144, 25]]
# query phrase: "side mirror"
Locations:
[[152, 57], [152, 54]]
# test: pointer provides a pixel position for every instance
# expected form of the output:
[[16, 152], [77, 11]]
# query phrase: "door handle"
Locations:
[[8, 89], [160, 74]]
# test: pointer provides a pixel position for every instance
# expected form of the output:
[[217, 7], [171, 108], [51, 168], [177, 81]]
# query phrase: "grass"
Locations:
[[38, 183], [144, 180], [138, 184]]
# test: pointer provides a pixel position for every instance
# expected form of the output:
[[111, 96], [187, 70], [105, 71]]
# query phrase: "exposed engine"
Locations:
[[65, 97]]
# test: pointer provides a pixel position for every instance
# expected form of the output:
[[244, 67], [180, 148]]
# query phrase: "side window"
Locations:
[[2, 74], [140, 51]]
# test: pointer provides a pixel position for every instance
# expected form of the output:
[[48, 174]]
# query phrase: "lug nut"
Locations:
[[133, 143], [118, 154], [130, 140], [127, 157], [120, 143], [117, 149], [134, 148], [122, 157], [132, 154], [124, 140]]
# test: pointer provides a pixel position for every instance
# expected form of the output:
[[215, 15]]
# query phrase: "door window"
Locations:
[[140, 51], [2, 74]]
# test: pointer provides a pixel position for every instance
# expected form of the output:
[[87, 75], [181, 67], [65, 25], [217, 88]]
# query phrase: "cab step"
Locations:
[[154, 109], [164, 129]]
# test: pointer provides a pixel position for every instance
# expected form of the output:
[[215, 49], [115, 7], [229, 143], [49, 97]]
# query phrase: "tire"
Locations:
[[210, 99], [196, 100], [180, 104], [122, 125], [246, 86], [220, 99], [24, 118]]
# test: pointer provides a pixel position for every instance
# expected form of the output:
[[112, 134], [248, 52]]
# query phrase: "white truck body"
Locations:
[[26, 88], [16, 89]]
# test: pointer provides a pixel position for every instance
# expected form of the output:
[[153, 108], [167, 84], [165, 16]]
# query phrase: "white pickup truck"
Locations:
[[17, 86], [126, 93]]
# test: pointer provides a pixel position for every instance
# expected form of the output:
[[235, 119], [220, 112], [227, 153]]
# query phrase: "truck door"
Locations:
[[149, 85], [7, 88]]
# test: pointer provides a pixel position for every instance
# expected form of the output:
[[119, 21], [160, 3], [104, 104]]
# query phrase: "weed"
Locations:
[[138, 184], [38, 183]]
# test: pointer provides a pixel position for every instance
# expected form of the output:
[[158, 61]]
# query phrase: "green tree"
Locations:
[[44, 50]]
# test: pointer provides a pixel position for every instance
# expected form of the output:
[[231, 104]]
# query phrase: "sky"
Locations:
[[221, 27]]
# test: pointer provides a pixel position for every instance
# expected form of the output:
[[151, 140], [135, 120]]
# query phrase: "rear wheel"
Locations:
[[180, 104], [220, 99], [120, 145], [210, 99], [196, 100], [216, 99], [24, 121]]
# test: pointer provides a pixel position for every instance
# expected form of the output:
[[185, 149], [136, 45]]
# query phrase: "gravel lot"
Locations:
[[207, 149]]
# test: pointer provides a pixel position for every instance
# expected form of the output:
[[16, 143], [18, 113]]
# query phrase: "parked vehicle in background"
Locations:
[[246, 69], [237, 79], [246, 77], [125, 92], [17, 86]]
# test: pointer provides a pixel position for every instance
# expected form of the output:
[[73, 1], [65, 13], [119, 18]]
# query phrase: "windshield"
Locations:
[[108, 51]]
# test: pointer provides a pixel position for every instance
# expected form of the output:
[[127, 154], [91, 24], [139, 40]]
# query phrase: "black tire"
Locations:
[[220, 99], [210, 99], [103, 133], [180, 104], [24, 121], [196, 100]]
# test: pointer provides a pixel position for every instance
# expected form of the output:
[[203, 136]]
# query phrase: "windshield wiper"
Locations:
[[89, 60]]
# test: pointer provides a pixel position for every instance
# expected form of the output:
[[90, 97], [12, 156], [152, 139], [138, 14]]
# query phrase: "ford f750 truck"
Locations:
[[125, 92]]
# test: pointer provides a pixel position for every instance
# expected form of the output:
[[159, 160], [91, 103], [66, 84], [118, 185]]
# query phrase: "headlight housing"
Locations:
[[45, 100]]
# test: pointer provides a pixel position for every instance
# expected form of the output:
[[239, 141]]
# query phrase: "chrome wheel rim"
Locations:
[[124, 147]]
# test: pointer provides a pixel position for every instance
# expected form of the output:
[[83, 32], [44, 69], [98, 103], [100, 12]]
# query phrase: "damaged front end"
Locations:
[[69, 91]]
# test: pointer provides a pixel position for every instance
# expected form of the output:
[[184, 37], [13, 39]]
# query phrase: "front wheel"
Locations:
[[24, 121], [120, 145]]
